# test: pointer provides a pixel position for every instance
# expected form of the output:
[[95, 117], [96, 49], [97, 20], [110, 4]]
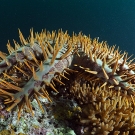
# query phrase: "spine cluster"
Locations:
[[45, 58]]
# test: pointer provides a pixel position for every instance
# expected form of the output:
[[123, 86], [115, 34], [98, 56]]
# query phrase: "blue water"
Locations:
[[110, 20]]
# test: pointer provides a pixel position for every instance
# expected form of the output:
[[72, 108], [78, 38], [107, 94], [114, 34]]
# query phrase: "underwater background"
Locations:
[[110, 20]]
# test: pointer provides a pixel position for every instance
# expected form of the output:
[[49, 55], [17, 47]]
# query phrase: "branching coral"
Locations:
[[104, 110]]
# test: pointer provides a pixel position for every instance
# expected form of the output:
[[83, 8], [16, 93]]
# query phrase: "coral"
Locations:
[[42, 123], [104, 110]]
